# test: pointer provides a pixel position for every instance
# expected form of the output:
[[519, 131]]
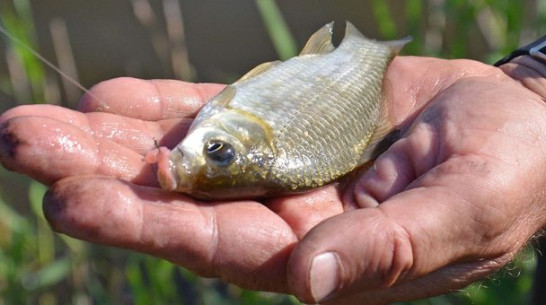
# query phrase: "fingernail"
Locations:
[[365, 200], [8, 141], [324, 275], [361, 192]]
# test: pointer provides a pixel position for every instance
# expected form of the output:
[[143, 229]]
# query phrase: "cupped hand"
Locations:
[[450, 202]]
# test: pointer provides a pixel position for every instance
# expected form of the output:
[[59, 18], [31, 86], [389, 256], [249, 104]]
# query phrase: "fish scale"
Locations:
[[288, 126]]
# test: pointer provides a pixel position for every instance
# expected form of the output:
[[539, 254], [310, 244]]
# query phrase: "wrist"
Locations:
[[530, 72]]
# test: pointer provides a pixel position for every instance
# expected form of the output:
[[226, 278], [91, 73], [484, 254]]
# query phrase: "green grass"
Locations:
[[278, 30], [38, 266]]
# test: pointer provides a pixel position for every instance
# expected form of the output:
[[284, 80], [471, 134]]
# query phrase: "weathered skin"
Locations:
[[288, 126]]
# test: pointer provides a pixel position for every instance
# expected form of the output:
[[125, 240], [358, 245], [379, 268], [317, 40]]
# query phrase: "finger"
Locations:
[[49, 111], [149, 100], [242, 242], [134, 134], [304, 211], [452, 124], [395, 169], [48, 150], [434, 225]]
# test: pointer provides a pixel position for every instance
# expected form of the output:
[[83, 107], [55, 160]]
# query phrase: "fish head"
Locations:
[[226, 156]]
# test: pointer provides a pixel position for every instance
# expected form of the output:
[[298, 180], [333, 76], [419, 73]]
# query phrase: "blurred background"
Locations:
[[202, 41]]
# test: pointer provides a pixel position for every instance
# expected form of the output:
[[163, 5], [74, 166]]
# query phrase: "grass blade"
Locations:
[[278, 30]]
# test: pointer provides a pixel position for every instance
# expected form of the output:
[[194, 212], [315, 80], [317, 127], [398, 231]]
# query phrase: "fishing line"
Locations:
[[49, 64]]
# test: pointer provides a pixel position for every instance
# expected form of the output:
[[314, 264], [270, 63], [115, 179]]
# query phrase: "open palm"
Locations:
[[448, 203]]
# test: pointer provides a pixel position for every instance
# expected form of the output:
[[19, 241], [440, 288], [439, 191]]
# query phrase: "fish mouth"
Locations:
[[165, 174], [172, 174]]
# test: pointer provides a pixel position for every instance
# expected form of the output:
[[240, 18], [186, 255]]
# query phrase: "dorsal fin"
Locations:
[[259, 69], [351, 30], [320, 42]]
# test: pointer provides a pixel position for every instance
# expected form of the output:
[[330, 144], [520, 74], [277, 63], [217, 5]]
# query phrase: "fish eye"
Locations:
[[219, 152]]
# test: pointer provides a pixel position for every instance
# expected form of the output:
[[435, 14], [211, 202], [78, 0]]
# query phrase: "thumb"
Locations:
[[362, 249], [422, 242]]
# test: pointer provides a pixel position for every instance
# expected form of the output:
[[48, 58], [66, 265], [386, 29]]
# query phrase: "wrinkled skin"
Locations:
[[459, 194]]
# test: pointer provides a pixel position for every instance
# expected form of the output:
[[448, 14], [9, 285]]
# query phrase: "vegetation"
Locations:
[[38, 266]]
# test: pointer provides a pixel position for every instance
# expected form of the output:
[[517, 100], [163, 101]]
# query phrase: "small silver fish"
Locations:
[[287, 127]]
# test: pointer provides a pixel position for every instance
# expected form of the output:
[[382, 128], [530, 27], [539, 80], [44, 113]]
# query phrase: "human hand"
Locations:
[[458, 195]]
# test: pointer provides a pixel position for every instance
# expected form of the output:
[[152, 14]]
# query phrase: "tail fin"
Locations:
[[394, 45]]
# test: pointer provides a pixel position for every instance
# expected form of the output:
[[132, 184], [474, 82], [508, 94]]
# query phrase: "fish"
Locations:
[[288, 127]]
